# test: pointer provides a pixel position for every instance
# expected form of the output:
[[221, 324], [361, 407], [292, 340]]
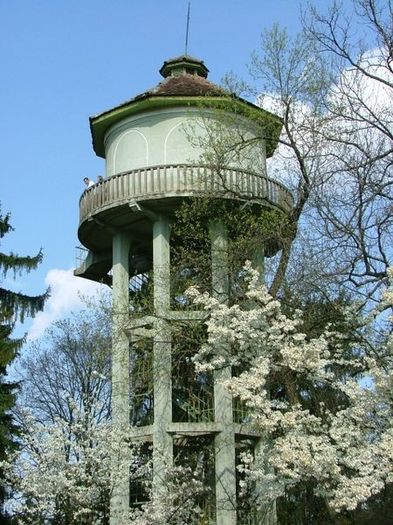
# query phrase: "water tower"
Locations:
[[153, 148]]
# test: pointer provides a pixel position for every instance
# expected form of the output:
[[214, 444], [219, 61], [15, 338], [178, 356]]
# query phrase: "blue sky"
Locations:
[[65, 60]]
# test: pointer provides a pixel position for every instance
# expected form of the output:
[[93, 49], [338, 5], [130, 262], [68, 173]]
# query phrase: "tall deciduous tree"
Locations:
[[68, 368], [322, 402], [347, 224], [75, 488], [13, 306], [63, 413], [354, 205], [63, 474], [332, 86]]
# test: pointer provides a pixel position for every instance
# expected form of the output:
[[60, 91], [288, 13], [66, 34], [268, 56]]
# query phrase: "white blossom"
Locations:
[[344, 449]]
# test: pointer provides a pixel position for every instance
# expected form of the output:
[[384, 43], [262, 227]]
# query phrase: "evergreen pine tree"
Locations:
[[14, 306]]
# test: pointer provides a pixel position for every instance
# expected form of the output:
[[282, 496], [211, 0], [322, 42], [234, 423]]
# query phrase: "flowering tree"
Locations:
[[342, 449], [183, 488], [65, 471]]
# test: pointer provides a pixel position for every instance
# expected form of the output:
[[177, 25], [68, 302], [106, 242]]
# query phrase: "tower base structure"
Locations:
[[206, 428]]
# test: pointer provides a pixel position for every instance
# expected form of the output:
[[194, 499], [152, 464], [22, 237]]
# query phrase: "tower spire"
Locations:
[[187, 28]]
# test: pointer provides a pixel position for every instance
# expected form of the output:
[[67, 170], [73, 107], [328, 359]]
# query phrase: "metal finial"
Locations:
[[187, 28]]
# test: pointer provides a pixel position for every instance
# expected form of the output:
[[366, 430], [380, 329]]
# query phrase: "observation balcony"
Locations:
[[112, 202]]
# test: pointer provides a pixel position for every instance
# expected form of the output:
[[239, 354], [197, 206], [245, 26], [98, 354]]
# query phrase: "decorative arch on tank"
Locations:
[[131, 151], [177, 145]]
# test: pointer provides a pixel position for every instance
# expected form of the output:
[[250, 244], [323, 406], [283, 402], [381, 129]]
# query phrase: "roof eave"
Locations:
[[101, 123]]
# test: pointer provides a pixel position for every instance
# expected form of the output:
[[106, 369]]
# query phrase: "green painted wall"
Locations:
[[162, 138]]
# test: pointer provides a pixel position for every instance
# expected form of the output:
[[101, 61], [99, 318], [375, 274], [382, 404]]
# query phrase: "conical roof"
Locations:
[[185, 78]]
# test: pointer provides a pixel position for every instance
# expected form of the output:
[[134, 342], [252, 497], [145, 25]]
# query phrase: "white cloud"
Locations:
[[66, 296]]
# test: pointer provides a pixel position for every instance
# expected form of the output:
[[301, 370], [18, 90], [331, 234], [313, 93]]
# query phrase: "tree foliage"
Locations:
[[16, 305], [13, 306], [61, 470], [340, 451], [70, 362], [64, 473], [332, 88]]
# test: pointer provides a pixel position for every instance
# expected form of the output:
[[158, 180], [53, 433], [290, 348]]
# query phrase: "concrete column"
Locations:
[[120, 375], [267, 514], [225, 440], [162, 368]]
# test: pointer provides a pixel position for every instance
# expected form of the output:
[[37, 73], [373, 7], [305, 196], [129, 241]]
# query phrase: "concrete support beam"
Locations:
[[162, 367], [267, 514], [161, 265], [120, 375], [224, 442]]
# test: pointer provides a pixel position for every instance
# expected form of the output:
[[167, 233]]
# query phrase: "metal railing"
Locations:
[[194, 407], [252, 517], [241, 413], [137, 282], [182, 179], [80, 255]]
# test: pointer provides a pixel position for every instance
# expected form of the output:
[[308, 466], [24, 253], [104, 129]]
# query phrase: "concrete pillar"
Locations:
[[267, 514], [162, 368], [224, 443], [120, 375]]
